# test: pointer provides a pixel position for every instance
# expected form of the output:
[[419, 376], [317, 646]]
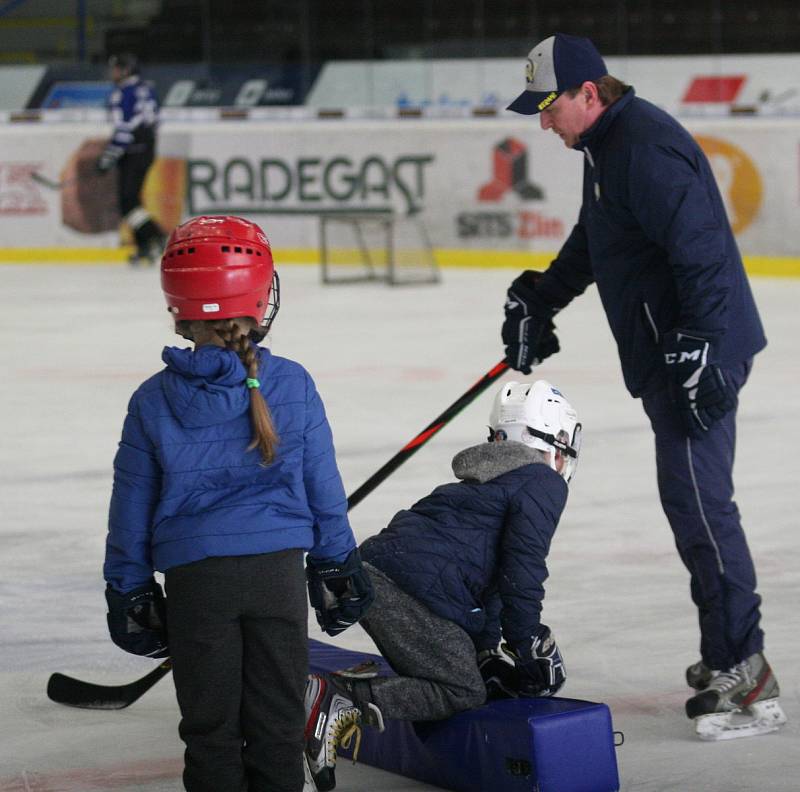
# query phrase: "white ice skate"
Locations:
[[740, 702]]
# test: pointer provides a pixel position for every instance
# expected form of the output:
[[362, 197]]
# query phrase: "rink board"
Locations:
[[529, 745]]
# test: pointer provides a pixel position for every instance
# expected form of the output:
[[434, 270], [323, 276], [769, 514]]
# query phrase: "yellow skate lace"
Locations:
[[346, 730]]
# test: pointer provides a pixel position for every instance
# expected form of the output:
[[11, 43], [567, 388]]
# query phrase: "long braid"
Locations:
[[265, 438]]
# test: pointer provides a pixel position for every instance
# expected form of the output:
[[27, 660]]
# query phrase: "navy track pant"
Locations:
[[696, 487]]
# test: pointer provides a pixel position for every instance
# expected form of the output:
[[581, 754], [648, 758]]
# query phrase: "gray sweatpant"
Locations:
[[437, 672]]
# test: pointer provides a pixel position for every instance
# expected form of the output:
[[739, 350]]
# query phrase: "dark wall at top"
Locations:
[[297, 31]]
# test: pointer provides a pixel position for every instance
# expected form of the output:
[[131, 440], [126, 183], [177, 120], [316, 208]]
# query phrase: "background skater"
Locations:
[[131, 149]]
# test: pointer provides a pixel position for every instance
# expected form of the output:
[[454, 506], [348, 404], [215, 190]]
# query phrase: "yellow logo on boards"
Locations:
[[548, 100], [738, 180]]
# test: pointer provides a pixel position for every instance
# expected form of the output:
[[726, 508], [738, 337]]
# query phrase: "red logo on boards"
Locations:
[[18, 194], [510, 165], [714, 90]]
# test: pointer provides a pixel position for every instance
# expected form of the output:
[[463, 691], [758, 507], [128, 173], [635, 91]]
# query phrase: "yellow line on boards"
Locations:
[[772, 266], [71, 256], [768, 266]]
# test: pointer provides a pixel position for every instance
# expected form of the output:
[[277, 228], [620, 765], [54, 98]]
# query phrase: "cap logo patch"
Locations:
[[210, 307], [548, 100], [530, 71]]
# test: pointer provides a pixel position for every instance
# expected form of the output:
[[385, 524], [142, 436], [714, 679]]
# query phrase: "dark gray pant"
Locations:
[[434, 658], [239, 646]]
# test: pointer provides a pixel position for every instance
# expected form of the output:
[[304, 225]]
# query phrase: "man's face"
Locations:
[[569, 117]]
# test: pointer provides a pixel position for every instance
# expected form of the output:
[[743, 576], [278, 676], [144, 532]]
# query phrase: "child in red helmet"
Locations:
[[225, 475]]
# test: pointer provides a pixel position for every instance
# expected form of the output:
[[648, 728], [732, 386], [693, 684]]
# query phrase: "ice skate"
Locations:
[[698, 675], [740, 702], [333, 719], [138, 259]]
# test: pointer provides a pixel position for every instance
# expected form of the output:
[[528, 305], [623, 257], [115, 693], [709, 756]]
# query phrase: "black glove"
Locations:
[[528, 331], [108, 159], [137, 621], [540, 665], [340, 591], [699, 388], [499, 673]]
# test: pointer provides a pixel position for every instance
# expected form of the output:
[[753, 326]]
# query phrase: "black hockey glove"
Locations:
[[109, 158], [540, 665], [528, 331], [137, 621], [699, 388], [499, 673], [340, 591]]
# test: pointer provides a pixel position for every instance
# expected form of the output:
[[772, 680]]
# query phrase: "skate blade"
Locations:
[[368, 669], [308, 779], [764, 717]]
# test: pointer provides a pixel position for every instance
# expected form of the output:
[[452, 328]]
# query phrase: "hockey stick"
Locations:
[[51, 184], [426, 434], [73, 692]]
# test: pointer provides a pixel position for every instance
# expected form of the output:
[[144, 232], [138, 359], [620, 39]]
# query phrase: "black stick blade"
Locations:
[[45, 182], [73, 692]]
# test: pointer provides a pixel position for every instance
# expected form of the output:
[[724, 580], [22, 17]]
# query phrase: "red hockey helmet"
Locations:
[[220, 268]]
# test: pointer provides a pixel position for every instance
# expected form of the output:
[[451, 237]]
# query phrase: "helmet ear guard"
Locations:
[[220, 268], [539, 416]]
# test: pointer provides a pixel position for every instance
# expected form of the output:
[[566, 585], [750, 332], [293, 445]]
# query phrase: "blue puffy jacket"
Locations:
[[186, 488], [478, 547], [654, 236]]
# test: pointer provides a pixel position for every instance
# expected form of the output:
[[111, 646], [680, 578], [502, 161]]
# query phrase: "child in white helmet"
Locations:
[[455, 574]]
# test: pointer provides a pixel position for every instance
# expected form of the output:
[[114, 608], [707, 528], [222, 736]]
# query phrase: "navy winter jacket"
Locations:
[[654, 236], [476, 547], [186, 488]]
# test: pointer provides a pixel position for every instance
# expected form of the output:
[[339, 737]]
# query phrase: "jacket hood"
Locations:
[[206, 386], [487, 461]]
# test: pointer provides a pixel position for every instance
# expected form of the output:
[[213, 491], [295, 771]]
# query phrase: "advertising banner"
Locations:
[[487, 190]]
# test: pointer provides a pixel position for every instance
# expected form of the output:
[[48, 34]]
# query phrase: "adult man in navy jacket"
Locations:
[[653, 235]]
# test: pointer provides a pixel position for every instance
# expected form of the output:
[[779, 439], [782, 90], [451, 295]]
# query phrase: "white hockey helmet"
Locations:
[[539, 416]]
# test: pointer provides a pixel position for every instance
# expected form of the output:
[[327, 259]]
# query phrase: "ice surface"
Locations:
[[78, 340]]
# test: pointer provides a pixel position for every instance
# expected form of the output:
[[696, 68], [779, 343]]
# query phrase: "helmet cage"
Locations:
[[569, 447], [273, 306]]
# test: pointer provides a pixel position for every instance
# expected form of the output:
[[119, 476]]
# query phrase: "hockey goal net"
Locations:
[[356, 247]]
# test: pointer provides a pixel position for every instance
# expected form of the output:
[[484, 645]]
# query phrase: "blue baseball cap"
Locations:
[[555, 65]]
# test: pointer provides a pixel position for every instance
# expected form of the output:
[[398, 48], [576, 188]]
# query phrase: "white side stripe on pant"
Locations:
[[700, 505]]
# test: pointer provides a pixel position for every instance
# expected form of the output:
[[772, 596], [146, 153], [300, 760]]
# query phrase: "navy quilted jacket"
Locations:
[[186, 488], [478, 546], [654, 236]]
